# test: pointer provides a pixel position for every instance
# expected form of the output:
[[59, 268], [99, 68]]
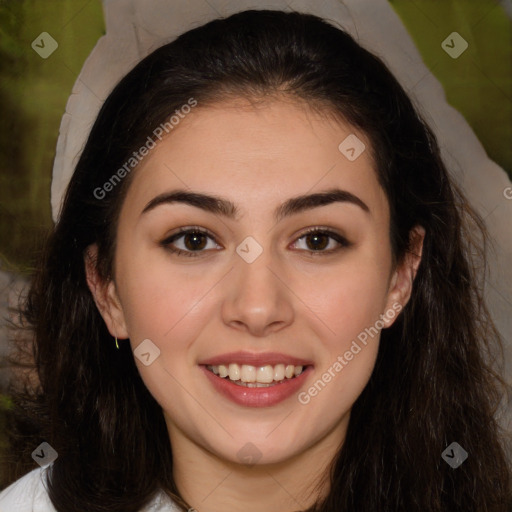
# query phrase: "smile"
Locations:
[[257, 394], [256, 376]]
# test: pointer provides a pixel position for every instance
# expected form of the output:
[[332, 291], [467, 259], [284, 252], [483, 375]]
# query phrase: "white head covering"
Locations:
[[136, 27]]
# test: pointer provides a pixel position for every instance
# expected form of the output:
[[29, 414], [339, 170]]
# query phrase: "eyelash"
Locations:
[[342, 241]]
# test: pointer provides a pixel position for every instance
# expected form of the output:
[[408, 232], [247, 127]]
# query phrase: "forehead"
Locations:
[[259, 154]]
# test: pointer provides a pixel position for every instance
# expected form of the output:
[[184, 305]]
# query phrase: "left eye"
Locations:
[[322, 241]]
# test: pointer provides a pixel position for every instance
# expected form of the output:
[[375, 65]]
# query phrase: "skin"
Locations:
[[288, 300]]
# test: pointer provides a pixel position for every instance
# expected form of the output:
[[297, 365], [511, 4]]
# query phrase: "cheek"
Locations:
[[346, 300], [351, 311], [349, 306], [170, 310], [157, 297]]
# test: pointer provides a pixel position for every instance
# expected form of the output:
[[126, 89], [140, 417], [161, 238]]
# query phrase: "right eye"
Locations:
[[193, 242]]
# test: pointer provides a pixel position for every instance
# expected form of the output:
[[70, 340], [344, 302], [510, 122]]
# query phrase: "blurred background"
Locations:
[[34, 91]]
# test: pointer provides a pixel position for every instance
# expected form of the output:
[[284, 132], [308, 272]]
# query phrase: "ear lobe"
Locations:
[[400, 288], [105, 295]]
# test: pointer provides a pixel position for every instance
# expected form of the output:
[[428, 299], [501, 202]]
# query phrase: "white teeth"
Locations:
[[234, 372], [252, 376], [279, 372], [251, 384], [265, 374], [247, 373]]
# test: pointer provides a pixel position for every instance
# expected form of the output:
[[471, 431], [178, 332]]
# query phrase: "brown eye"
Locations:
[[194, 241], [317, 241], [321, 241], [190, 242]]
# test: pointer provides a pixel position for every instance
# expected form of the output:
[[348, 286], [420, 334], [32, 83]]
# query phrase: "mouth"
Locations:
[[257, 384], [256, 379], [250, 376]]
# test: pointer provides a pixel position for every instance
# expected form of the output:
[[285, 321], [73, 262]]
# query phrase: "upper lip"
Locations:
[[255, 359]]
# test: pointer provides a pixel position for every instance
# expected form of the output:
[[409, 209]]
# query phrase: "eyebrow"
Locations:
[[226, 208]]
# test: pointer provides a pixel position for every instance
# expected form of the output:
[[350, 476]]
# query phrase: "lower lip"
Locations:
[[257, 397]]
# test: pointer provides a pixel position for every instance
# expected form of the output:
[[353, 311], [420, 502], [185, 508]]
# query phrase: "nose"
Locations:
[[257, 300]]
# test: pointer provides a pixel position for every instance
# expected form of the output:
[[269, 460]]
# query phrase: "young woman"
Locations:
[[260, 294]]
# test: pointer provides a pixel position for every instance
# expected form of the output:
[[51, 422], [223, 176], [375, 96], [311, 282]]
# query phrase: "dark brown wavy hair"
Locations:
[[435, 380]]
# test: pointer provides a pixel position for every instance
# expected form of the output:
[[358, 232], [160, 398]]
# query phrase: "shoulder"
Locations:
[[29, 494], [161, 503]]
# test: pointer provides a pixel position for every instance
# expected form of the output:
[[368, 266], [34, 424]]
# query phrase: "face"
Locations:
[[283, 281]]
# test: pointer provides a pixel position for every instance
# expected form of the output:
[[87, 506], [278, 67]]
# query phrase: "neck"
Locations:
[[210, 483]]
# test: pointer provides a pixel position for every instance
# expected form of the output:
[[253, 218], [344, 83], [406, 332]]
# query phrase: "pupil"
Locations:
[[316, 237], [195, 239]]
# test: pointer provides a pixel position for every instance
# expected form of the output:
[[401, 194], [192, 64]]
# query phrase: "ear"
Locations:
[[400, 287], [105, 295]]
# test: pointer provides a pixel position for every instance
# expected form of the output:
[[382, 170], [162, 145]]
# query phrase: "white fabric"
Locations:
[[29, 494]]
